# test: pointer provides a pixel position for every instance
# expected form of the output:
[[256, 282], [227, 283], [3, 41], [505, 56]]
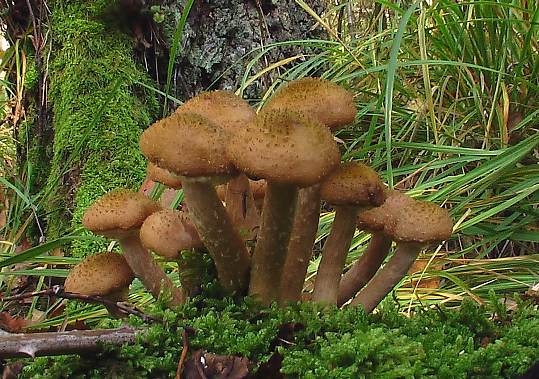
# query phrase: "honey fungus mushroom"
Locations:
[[119, 214], [104, 274], [372, 221], [350, 188], [412, 228], [290, 150], [192, 147], [231, 113], [334, 106]]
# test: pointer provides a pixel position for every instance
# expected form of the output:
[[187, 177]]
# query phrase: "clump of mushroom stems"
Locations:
[[271, 265]]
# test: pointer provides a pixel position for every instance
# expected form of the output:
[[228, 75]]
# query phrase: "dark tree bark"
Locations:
[[223, 36]]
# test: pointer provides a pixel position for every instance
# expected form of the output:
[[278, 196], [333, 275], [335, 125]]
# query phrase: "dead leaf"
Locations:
[[13, 369], [13, 325], [203, 365], [270, 369]]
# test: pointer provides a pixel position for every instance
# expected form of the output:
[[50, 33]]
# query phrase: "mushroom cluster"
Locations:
[[220, 152]]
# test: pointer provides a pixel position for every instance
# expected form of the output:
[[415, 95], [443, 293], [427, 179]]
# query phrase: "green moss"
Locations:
[[470, 342], [91, 52]]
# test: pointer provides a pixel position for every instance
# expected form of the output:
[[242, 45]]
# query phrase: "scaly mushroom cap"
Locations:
[[376, 218], [188, 144], [420, 221], [354, 183], [286, 147], [100, 274], [168, 232], [226, 109], [118, 213], [162, 176], [322, 99]]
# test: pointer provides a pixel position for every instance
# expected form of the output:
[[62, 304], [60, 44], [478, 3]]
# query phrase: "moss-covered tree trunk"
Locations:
[[99, 109]]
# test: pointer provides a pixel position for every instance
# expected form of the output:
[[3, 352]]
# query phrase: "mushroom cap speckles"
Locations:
[[118, 213], [354, 183], [99, 274], [376, 218], [226, 109], [168, 232], [188, 144], [286, 147], [420, 221], [322, 99]]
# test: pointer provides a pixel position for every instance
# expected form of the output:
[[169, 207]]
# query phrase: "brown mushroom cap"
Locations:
[[188, 144], [376, 218], [354, 183], [285, 147], [100, 274], [420, 221], [319, 98], [162, 176], [225, 108], [168, 232], [118, 213]]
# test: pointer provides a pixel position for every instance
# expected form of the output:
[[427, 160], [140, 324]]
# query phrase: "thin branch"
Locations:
[[58, 291]]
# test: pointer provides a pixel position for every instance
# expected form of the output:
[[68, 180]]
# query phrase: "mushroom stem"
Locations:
[[334, 254], [240, 204], [148, 271], [270, 254], [218, 233], [301, 244], [365, 267], [389, 276]]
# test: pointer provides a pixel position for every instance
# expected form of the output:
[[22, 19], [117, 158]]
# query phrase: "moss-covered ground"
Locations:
[[310, 341]]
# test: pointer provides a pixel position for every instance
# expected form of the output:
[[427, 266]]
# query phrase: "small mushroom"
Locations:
[[191, 146], [162, 176], [372, 221], [119, 214], [104, 274], [350, 188], [415, 226], [290, 150], [167, 233]]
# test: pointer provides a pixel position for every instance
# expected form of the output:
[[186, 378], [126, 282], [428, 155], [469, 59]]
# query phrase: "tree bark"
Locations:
[[220, 37]]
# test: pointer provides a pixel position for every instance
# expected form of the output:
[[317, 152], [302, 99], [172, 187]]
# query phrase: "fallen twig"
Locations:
[[57, 343], [185, 349]]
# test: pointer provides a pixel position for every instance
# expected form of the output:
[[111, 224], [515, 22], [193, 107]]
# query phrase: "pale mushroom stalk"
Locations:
[[272, 244], [389, 276], [240, 204], [154, 278], [301, 244], [365, 267], [218, 233], [334, 254], [350, 188], [373, 221]]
